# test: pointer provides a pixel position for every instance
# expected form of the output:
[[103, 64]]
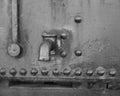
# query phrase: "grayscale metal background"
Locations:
[[92, 46]]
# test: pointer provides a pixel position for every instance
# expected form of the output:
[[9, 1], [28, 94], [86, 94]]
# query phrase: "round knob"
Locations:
[[44, 71], [78, 52], [13, 71], [112, 72], [66, 71], [2, 71], [56, 72], [100, 71], [78, 72], [34, 71], [14, 50], [23, 71], [89, 72]]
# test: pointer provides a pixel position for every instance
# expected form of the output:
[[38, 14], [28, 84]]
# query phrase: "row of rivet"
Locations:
[[100, 71]]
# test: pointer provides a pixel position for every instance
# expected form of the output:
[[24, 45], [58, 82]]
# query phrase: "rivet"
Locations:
[[63, 35], [78, 52], [34, 71], [112, 72], [66, 71], [63, 54], [89, 72], [44, 71], [23, 71], [13, 71], [13, 50], [56, 72], [100, 71], [2, 71], [78, 19], [78, 72]]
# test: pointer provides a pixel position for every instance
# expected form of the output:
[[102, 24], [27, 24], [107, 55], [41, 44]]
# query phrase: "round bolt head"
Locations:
[[23, 71], [14, 50], [78, 52], [112, 72], [63, 54], [56, 72], [44, 71], [78, 19], [78, 72], [2, 71], [100, 71], [63, 35], [89, 72], [67, 71], [34, 71], [13, 71]]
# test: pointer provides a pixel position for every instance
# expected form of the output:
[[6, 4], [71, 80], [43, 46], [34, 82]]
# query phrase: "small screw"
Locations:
[[112, 72], [100, 71], [13, 71], [63, 35], [78, 19], [56, 72], [78, 72], [14, 50], [2, 71], [66, 71], [23, 71], [44, 71], [63, 54], [78, 52], [89, 72], [34, 71]]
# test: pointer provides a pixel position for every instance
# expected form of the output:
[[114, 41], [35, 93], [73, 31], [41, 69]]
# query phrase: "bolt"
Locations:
[[78, 19], [63, 35], [23, 71], [13, 71], [44, 71], [66, 71], [112, 72], [63, 54], [34, 71], [78, 52], [89, 72], [100, 71], [2, 71], [78, 72], [13, 50], [56, 72]]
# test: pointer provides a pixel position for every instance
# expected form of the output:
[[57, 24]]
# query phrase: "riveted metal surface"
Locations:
[[85, 52]]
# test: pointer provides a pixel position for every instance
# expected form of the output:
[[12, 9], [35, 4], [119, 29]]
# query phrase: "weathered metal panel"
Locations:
[[59, 47]]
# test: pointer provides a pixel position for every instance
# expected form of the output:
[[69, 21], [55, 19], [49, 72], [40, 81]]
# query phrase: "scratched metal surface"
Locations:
[[97, 36]]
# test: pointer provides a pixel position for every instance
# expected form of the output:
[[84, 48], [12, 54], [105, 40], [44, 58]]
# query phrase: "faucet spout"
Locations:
[[44, 52]]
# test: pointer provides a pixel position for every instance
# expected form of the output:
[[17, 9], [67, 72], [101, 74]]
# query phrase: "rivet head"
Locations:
[[2, 71], [78, 72], [23, 71], [112, 72], [89, 72], [67, 71], [44, 71], [78, 19], [63, 35], [13, 71], [56, 72], [78, 52], [34, 71], [63, 54], [14, 50], [100, 71]]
